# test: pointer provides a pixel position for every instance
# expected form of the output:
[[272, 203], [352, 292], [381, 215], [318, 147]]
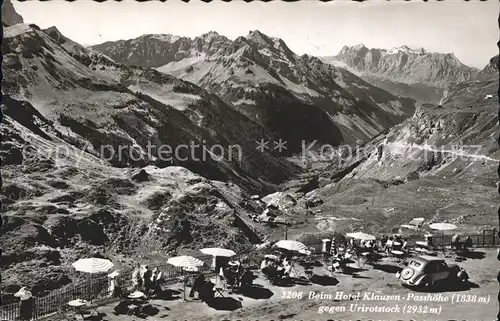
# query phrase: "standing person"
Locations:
[[27, 306], [115, 285], [333, 249], [198, 283], [147, 280], [137, 278], [383, 240], [154, 278], [388, 245], [468, 243]]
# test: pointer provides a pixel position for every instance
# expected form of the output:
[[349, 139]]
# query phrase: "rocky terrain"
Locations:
[[439, 164], [404, 71], [296, 97], [66, 194]]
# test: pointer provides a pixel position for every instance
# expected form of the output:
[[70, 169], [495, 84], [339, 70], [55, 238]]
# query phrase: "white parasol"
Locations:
[[217, 251], [361, 236], [184, 261], [93, 265], [442, 226], [291, 245]]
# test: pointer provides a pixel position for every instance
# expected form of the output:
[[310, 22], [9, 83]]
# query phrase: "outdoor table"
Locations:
[[398, 254], [421, 243], [80, 306], [137, 295], [137, 301]]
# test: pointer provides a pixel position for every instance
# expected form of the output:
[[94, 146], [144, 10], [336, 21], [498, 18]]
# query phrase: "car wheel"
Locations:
[[406, 274], [430, 283]]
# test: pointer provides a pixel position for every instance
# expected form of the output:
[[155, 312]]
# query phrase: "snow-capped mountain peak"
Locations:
[[210, 35], [407, 50]]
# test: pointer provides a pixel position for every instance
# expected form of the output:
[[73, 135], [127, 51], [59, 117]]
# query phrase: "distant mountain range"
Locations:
[[403, 71], [296, 97]]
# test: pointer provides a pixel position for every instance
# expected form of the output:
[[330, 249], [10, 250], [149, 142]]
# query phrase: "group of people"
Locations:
[[146, 280], [236, 275], [276, 268], [233, 274], [457, 244], [392, 243]]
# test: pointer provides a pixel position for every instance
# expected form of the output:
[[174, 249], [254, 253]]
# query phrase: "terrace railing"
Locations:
[[96, 289]]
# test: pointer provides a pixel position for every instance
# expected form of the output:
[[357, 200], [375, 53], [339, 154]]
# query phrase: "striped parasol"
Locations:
[[291, 245], [93, 265], [184, 261]]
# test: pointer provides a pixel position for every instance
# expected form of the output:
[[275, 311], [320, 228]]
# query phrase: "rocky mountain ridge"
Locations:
[[262, 78], [403, 71], [439, 164], [10, 16]]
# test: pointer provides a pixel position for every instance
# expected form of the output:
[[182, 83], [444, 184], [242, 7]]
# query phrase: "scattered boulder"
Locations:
[[309, 186], [141, 176], [313, 202], [58, 184], [158, 200], [12, 155]]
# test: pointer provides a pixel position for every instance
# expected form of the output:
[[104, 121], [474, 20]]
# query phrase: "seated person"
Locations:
[[197, 284], [404, 247], [280, 272], [287, 268], [383, 240], [246, 279], [264, 266], [455, 242], [206, 293], [429, 241], [467, 243], [272, 270]]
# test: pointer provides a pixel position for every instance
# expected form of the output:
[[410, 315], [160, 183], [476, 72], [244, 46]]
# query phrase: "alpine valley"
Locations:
[[80, 176]]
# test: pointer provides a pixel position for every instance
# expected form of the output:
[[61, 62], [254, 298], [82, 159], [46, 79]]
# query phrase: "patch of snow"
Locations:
[[16, 30], [405, 49], [359, 86], [299, 88], [265, 52], [166, 38], [393, 107], [166, 95], [244, 101]]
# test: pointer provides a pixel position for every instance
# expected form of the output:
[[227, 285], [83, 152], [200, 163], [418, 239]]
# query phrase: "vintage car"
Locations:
[[428, 270]]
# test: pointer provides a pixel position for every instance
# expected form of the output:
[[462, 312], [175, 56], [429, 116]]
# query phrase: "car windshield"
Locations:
[[415, 264]]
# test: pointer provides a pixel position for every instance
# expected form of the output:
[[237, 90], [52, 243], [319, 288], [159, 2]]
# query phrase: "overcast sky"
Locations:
[[468, 29]]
